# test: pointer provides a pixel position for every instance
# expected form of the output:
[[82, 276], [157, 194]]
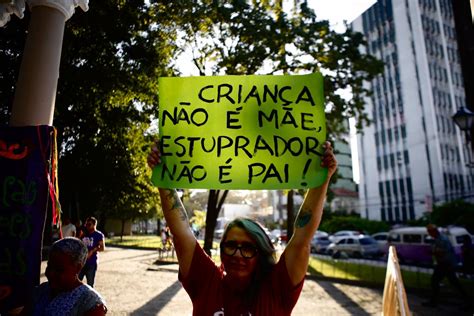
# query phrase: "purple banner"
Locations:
[[25, 157]]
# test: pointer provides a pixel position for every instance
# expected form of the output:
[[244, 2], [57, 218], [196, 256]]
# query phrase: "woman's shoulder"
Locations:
[[89, 298], [89, 292]]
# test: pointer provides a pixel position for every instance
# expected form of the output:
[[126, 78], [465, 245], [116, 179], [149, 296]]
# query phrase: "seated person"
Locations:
[[64, 293]]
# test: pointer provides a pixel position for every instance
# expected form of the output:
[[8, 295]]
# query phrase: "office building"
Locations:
[[345, 199], [412, 156]]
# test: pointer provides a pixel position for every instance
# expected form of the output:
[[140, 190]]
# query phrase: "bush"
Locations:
[[335, 223], [457, 212]]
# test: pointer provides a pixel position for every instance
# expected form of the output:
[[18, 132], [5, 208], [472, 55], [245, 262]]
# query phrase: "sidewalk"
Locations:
[[133, 285]]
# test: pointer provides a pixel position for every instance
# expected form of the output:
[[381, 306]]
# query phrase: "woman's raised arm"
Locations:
[[307, 222], [177, 219]]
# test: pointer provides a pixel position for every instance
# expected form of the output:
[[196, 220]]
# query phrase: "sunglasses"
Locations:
[[247, 249]]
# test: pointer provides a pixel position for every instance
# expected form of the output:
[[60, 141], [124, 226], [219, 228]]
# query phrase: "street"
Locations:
[[133, 284]]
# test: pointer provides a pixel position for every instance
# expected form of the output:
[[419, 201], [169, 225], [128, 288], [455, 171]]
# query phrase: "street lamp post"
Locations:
[[464, 119]]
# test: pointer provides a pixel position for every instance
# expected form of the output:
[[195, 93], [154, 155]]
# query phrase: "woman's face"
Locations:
[[61, 271], [237, 266]]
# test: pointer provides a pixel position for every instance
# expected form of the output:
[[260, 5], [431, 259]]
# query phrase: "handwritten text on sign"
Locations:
[[24, 156], [241, 132]]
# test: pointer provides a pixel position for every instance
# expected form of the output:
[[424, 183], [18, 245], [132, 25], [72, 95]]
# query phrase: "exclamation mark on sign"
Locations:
[[305, 170]]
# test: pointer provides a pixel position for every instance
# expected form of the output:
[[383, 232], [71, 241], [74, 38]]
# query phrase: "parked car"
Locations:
[[343, 233], [361, 246], [413, 244], [281, 233], [381, 239], [321, 233], [275, 239], [218, 233], [319, 243]]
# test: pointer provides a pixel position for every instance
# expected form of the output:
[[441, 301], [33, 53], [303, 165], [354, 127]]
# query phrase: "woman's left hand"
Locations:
[[329, 159]]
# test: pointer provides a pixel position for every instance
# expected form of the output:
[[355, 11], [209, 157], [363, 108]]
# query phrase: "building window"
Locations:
[[402, 189], [405, 157], [409, 188], [404, 212], [445, 181], [404, 132], [388, 191]]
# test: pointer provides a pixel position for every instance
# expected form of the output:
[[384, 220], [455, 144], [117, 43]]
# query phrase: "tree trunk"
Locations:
[[291, 215], [214, 205], [122, 230], [78, 208]]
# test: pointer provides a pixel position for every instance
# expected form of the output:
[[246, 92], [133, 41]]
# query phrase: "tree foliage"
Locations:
[[333, 224], [106, 99], [111, 59], [107, 94], [457, 212], [243, 37], [199, 219]]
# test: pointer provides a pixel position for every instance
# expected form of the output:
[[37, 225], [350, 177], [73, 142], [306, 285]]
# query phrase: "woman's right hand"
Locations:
[[154, 157]]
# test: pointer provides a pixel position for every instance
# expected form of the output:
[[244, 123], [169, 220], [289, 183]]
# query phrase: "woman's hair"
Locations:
[[73, 247], [258, 234]]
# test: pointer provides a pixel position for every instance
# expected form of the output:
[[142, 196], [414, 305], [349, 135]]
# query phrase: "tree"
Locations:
[[336, 223], [198, 219], [113, 54], [106, 100], [457, 212], [214, 205], [111, 59], [246, 37], [12, 42]]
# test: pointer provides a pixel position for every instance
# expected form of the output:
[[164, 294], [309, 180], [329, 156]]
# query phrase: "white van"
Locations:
[[413, 244]]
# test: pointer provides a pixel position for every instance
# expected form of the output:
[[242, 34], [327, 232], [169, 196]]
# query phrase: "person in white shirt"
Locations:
[[68, 228]]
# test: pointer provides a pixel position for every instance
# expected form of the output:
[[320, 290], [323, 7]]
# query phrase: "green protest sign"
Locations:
[[241, 132]]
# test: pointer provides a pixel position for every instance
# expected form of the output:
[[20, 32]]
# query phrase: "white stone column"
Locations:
[[35, 92], [472, 10], [9, 7]]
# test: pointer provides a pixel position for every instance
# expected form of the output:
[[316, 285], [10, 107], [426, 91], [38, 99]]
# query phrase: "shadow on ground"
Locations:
[[156, 304]]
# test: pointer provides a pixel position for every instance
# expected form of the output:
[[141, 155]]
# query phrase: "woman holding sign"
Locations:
[[250, 280]]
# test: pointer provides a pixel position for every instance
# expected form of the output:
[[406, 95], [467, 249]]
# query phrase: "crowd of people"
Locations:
[[250, 280]]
